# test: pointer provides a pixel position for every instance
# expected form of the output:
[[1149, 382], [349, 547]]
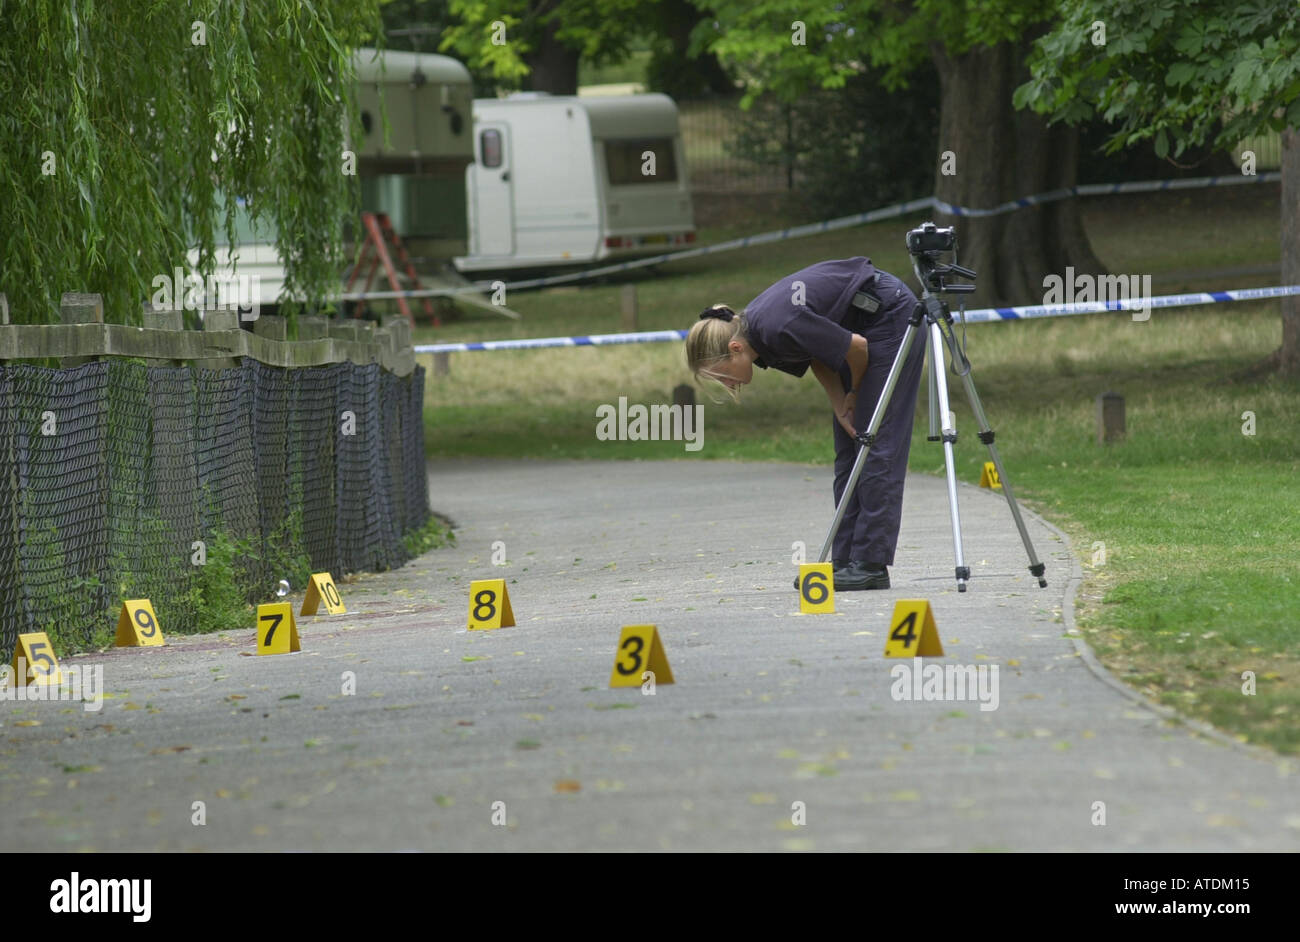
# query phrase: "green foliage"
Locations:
[[219, 596], [756, 37], [598, 30], [1177, 73], [53, 598], [286, 553], [145, 113], [432, 535]]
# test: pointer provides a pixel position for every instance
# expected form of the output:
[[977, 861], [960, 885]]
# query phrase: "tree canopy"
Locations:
[[124, 125], [757, 37], [1173, 72], [977, 47], [1180, 73], [538, 43]]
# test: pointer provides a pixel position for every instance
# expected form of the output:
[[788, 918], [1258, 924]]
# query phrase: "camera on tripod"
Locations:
[[924, 244], [930, 238]]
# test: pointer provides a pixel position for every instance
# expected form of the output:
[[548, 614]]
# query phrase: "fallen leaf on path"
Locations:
[[1223, 821]]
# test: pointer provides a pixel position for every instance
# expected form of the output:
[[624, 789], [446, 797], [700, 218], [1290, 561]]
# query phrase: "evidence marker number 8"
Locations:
[[489, 604]]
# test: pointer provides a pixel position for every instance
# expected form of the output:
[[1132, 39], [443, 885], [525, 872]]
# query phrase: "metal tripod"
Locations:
[[933, 312]]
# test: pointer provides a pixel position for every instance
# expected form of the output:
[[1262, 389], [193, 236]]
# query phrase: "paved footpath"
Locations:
[[770, 708]]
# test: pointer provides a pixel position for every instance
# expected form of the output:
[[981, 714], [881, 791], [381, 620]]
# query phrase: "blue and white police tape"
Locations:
[[976, 316], [829, 225]]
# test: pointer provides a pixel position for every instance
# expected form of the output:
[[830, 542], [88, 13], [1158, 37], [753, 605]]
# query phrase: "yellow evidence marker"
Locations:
[[639, 650], [912, 632], [816, 589], [277, 632], [137, 625], [34, 661], [322, 589], [489, 604], [989, 476]]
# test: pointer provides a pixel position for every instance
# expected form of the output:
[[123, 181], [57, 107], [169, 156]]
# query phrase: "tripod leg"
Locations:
[[949, 438], [1036, 568], [932, 399], [869, 436]]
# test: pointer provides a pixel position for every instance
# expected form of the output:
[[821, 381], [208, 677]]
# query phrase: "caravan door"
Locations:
[[494, 215]]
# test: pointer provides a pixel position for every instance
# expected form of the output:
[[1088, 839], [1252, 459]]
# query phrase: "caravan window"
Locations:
[[490, 146], [624, 160]]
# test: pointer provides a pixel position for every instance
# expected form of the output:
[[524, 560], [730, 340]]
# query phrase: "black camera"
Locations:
[[930, 238], [924, 245]]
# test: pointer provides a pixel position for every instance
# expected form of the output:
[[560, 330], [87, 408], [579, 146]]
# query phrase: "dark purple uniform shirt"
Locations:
[[789, 336]]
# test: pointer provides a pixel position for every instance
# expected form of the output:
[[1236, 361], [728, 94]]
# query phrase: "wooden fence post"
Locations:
[[1110, 418], [629, 308]]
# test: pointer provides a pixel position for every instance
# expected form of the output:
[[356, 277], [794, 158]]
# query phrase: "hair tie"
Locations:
[[721, 313]]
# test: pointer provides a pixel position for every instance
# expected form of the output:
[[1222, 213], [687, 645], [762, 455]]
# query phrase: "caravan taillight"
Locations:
[[613, 242], [690, 237]]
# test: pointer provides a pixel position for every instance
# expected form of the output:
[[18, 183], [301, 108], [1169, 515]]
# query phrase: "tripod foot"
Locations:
[[963, 576], [1037, 570]]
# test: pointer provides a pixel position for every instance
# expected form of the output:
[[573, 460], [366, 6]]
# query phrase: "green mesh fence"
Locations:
[[116, 480]]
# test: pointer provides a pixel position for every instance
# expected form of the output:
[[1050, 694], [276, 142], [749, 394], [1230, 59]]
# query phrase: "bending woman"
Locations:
[[845, 319]]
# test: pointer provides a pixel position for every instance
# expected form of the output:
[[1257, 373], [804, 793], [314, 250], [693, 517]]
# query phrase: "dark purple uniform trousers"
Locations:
[[869, 530]]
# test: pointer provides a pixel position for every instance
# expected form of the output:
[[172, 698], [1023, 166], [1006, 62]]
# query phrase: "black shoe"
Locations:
[[859, 575], [836, 566]]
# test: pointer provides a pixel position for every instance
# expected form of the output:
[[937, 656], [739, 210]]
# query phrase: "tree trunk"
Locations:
[[1288, 355], [1002, 154], [554, 65], [1285, 360], [673, 70]]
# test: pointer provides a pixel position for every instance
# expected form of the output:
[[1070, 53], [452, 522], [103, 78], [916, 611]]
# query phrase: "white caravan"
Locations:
[[561, 179]]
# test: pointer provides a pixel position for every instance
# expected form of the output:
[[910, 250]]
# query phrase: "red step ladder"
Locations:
[[380, 238]]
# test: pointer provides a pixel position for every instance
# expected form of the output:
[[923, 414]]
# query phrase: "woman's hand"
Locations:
[[845, 413]]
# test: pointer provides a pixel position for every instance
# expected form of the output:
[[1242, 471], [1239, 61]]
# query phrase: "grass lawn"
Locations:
[[1200, 522]]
